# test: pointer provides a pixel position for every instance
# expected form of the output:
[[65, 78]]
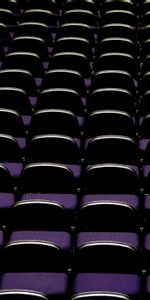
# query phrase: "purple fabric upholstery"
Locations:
[[45, 65], [68, 201], [146, 170], [26, 120], [88, 83], [75, 169], [80, 121], [6, 200], [61, 239], [21, 142], [135, 168], [143, 144], [140, 120], [38, 81], [131, 200], [147, 202], [78, 141], [13, 168], [33, 101], [47, 283], [148, 284], [130, 239], [119, 283], [147, 242]]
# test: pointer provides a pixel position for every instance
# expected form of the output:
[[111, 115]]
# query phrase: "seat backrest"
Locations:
[[30, 44], [73, 43], [71, 61], [24, 60], [111, 98], [47, 177], [55, 121], [9, 149], [47, 148], [11, 123], [64, 78], [113, 79], [39, 15], [117, 61], [60, 98], [111, 178], [35, 29], [112, 149], [18, 78], [15, 99], [101, 122]]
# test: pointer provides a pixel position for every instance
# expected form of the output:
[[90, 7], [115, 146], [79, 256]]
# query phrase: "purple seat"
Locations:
[[39, 251], [146, 178], [106, 286], [143, 142], [148, 285], [146, 248], [109, 212], [2, 241], [116, 252], [147, 212], [34, 286], [44, 211]]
